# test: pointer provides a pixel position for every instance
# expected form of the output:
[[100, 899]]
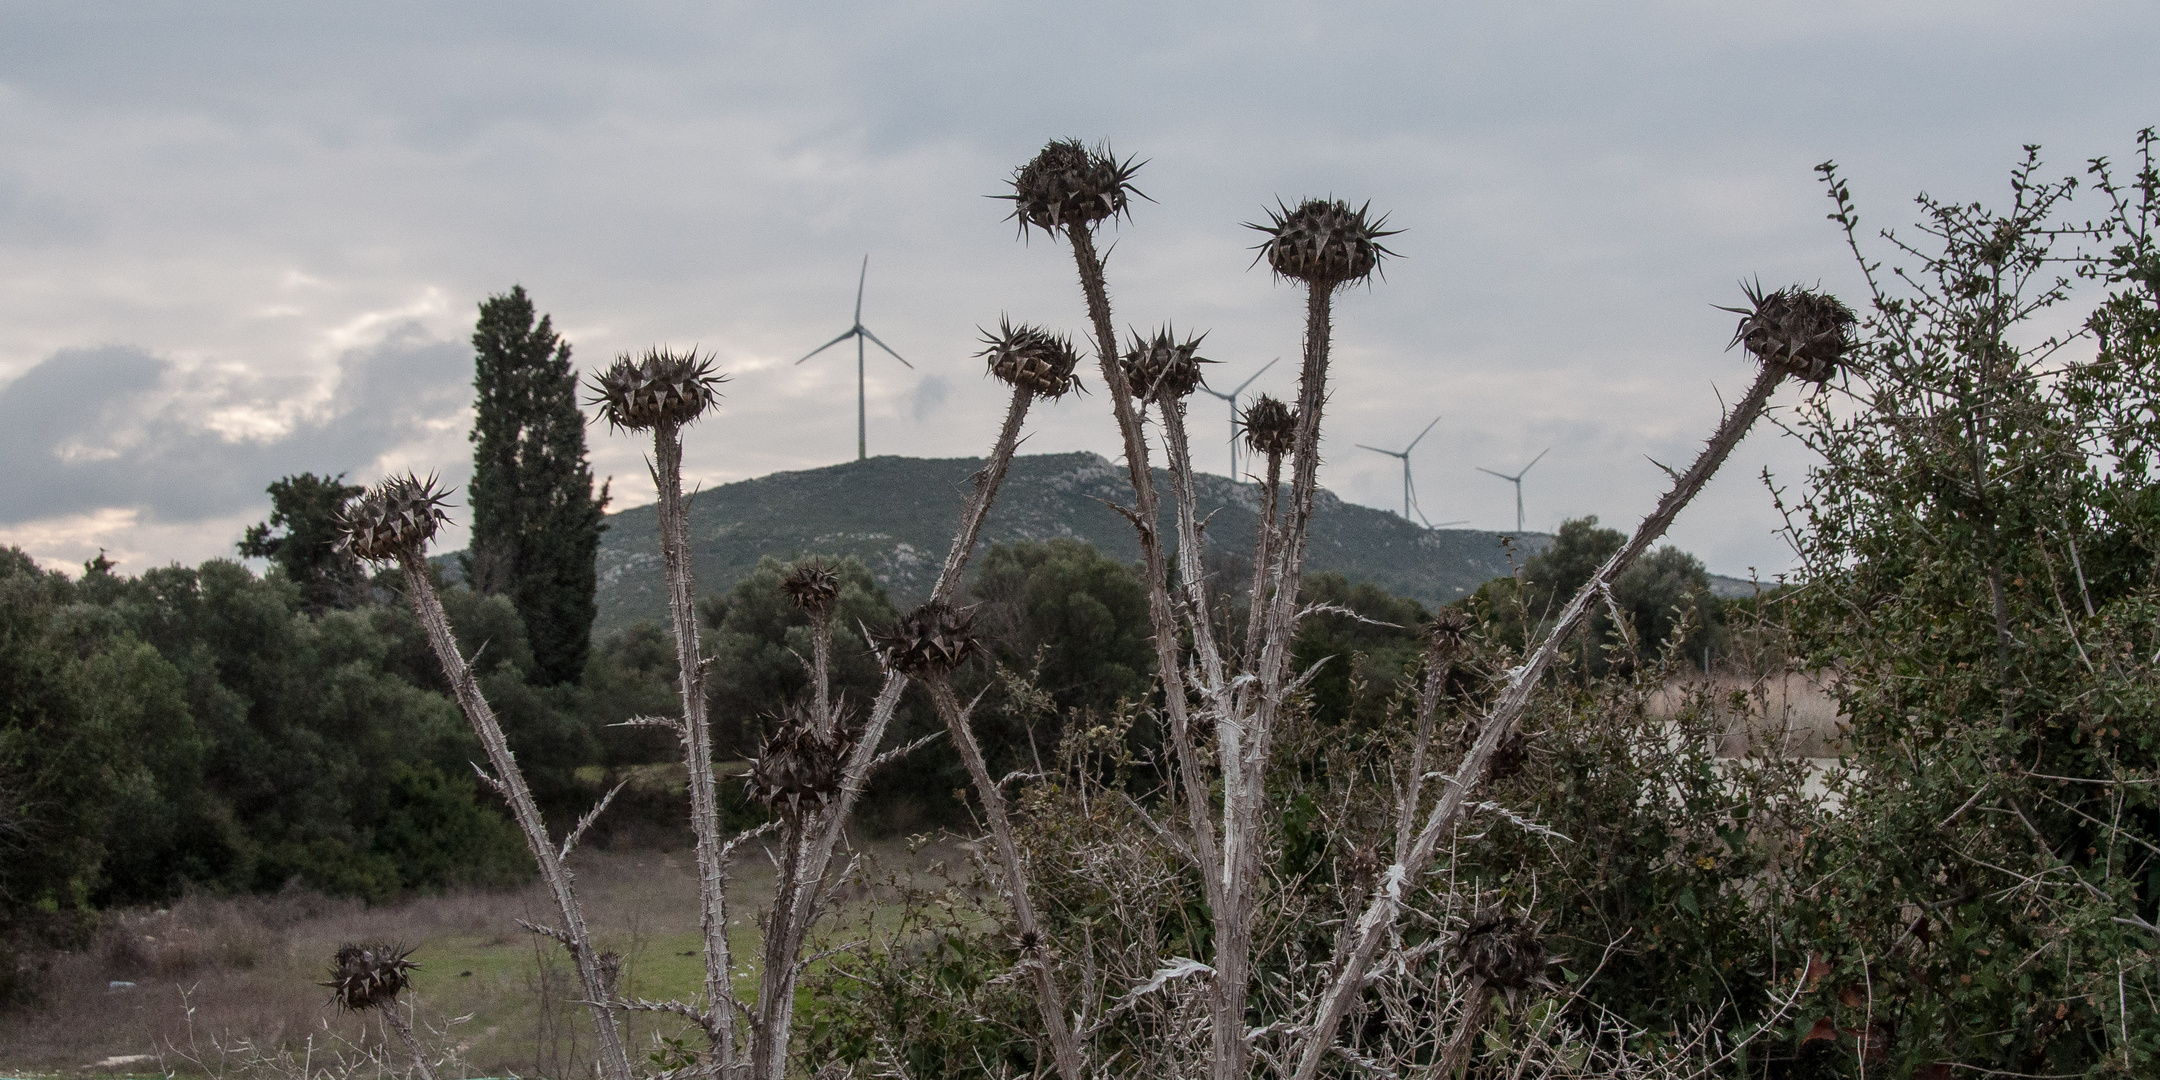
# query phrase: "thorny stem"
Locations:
[[798, 896], [1048, 1001], [1191, 573], [1161, 618], [1428, 709], [1380, 913], [696, 737], [1458, 1052], [1245, 744], [1255, 612], [987, 482], [395, 1017], [614, 1062]]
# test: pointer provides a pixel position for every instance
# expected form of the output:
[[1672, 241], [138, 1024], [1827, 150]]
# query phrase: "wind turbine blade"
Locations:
[[1241, 386], [828, 345], [1535, 460], [1489, 472], [1376, 450], [860, 279], [1212, 392], [873, 337], [1421, 435]]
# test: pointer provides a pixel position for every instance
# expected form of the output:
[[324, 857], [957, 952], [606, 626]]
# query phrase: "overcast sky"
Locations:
[[244, 240]]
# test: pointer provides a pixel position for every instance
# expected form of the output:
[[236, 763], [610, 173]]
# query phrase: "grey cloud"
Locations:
[[94, 428], [929, 397]]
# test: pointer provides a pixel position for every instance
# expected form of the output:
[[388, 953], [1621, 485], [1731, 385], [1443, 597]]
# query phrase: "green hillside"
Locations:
[[897, 515]]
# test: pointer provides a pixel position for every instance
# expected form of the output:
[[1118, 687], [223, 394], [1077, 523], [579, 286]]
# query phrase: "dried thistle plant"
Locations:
[[371, 976], [393, 522]]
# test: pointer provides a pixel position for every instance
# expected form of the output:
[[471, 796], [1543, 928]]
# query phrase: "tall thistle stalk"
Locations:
[[1270, 431], [660, 392], [1067, 190], [1793, 332], [393, 522], [933, 639]]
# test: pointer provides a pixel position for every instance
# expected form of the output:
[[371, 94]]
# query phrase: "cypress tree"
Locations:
[[535, 522]]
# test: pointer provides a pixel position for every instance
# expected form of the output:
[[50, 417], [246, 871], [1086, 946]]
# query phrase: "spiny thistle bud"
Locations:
[[1270, 426], [1323, 242], [1795, 331], [393, 518], [1504, 950], [1162, 368], [813, 586], [1069, 184], [1448, 633], [1032, 358], [659, 386], [369, 976], [930, 640], [797, 766]]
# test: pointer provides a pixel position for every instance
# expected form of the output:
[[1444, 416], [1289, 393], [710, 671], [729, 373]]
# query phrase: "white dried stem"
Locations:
[[696, 735], [1379, 916], [570, 842], [612, 1060], [1162, 617]]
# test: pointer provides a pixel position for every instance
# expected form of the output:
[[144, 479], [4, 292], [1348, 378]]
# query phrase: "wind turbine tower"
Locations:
[[861, 334], [1409, 489], [1517, 481], [1232, 397]]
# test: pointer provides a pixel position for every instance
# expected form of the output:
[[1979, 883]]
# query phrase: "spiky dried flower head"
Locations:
[[1504, 950], [1324, 242], [393, 518], [1032, 358], [1270, 426], [930, 640], [1162, 368], [1069, 184], [813, 586], [1029, 942], [367, 976], [1448, 633], [798, 767], [654, 387], [1795, 331]]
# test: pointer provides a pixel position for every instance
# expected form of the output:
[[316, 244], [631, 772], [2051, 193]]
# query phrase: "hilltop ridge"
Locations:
[[897, 515]]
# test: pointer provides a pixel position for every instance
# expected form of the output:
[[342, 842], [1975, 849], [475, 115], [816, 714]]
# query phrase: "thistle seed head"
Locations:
[[367, 976], [1068, 183], [797, 767], [1448, 633], [1032, 358], [1270, 426], [930, 640], [1323, 242], [658, 386], [393, 518], [1505, 950], [813, 586], [1795, 331], [1162, 368]]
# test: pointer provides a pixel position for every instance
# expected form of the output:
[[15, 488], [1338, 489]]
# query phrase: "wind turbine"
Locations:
[[860, 333], [1232, 397], [1517, 481], [1409, 490]]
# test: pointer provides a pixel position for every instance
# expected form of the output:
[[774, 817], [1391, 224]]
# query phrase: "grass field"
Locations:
[[220, 985]]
